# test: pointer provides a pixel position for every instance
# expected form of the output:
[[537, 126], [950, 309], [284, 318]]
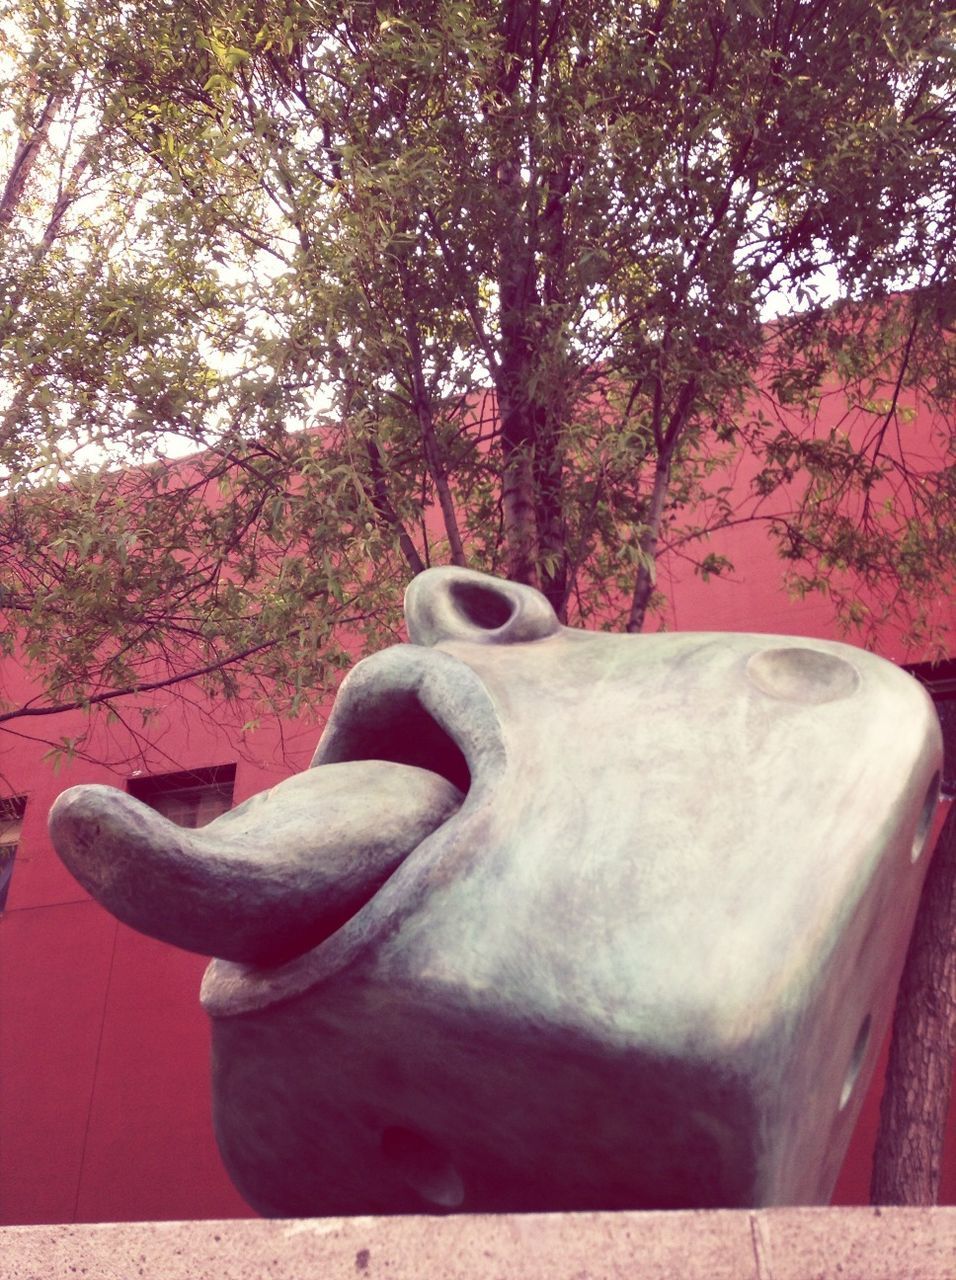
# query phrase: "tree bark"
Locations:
[[666, 441], [644, 579], [909, 1146], [422, 404], [27, 154], [552, 525], [518, 300], [67, 196], [516, 287], [387, 515]]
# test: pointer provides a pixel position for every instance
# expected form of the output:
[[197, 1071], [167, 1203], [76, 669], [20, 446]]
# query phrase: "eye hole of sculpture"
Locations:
[[423, 1166], [482, 606], [926, 817], [856, 1062], [395, 726]]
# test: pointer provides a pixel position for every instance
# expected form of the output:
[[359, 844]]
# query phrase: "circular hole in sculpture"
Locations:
[[926, 818], [483, 607], [856, 1061], [423, 1166], [802, 675]]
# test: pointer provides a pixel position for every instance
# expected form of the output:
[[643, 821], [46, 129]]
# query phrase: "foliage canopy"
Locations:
[[508, 284]]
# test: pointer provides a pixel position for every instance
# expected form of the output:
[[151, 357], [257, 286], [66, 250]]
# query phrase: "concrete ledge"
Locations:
[[768, 1244]]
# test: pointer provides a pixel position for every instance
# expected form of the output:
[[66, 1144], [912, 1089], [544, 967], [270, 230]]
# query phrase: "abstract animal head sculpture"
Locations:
[[557, 920]]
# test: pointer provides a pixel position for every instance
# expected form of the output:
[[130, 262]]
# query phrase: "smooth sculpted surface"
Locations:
[[265, 881], [556, 921]]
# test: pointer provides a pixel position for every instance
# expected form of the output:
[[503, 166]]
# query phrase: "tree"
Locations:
[[510, 284], [916, 1097], [511, 263]]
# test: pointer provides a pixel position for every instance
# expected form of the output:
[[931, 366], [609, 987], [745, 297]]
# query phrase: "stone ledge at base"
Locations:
[[766, 1244]]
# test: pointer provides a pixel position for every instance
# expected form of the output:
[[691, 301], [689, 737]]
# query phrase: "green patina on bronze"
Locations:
[[646, 961]]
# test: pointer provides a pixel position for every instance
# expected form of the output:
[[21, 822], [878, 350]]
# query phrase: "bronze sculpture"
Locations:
[[621, 925]]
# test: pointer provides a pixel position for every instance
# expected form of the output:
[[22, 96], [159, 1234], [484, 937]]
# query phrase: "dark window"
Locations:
[[191, 798], [12, 809], [939, 680]]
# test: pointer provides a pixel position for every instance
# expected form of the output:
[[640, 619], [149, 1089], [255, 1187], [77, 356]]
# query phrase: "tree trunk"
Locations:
[[387, 515], [552, 525], [644, 579], [422, 405], [518, 443], [909, 1146]]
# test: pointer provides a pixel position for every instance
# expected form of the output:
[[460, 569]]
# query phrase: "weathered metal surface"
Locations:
[[647, 962]]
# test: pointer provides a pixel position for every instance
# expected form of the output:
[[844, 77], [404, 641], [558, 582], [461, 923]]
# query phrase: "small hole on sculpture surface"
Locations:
[[482, 606], [927, 813], [423, 1166], [856, 1061]]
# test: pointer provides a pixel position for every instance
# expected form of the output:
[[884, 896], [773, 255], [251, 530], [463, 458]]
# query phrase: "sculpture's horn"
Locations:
[[269, 879]]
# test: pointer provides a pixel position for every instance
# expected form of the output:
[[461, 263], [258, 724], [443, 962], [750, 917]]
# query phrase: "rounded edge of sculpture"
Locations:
[[924, 823], [855, 1065]]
